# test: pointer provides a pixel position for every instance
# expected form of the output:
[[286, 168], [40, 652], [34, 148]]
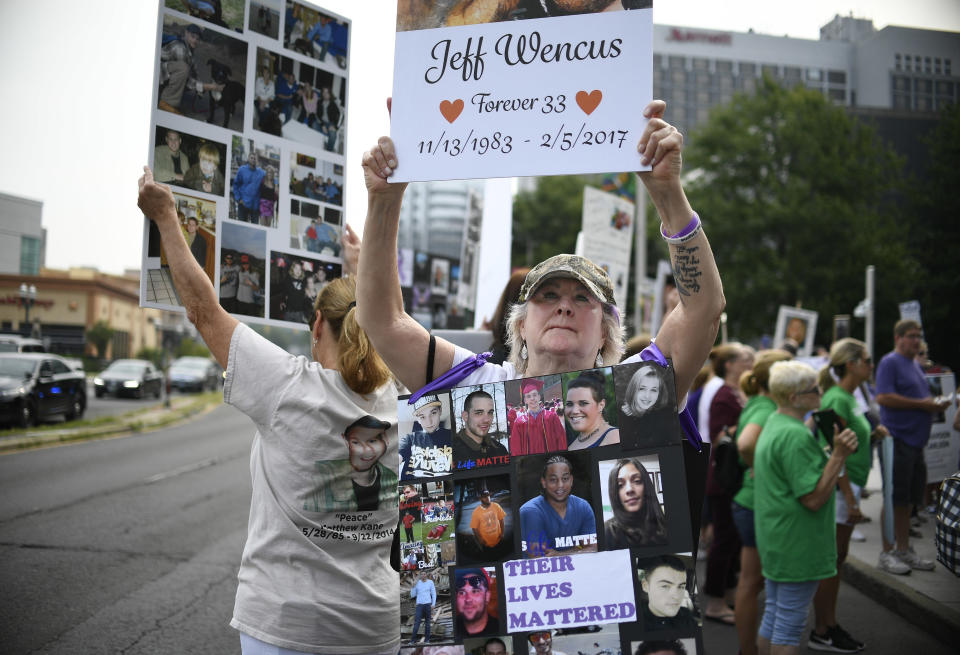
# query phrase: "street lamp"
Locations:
[[28, 294]]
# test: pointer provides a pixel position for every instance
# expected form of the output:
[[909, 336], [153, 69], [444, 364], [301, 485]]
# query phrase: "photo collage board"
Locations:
[[248, 128], [547, 514]]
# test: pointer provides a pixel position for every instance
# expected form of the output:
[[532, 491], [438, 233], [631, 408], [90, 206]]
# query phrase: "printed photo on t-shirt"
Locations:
[[363, 480], [556, 514], [484, 510]]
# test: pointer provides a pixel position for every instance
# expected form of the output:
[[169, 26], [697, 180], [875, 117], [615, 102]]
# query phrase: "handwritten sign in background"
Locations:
[[546, 96]]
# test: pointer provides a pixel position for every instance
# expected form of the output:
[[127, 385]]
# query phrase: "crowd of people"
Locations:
[[564, 319]]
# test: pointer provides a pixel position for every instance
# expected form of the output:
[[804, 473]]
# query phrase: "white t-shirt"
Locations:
[[710, 389], [315, 574]]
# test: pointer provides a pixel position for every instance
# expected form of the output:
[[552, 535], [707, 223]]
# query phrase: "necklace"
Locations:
[[590, 436]]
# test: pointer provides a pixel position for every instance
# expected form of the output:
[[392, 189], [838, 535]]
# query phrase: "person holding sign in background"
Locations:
[[566, 318], [637, 516], [557, 522], [293, 557]]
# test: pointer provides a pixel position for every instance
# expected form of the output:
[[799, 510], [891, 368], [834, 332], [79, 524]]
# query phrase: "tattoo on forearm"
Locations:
[[686, 270]]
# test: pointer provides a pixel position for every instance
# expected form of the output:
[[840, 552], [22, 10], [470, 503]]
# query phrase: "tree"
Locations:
[[935, 208], [546, 220], [100, 335], [796, 198]]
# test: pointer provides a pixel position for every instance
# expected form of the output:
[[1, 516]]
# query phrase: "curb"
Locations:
[[940, 621], [149, 419]]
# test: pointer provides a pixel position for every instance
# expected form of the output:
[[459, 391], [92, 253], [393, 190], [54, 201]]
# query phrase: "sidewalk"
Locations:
[[929, 599], [181, 407]]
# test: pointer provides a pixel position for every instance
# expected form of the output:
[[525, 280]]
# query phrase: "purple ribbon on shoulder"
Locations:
[[653, 354], [453, 376]]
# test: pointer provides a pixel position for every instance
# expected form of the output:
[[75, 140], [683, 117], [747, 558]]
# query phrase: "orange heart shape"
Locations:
[[589, 101], [451, 110]]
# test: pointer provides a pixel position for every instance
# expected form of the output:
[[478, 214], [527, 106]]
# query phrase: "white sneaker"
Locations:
[[914, 561], [856, 535], [890, 563]]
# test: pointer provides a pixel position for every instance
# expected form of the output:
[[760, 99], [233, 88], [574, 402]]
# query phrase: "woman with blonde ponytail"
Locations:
[[850, 365], [323, 465]]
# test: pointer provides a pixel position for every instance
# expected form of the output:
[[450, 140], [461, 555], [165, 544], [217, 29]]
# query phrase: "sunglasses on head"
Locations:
[[473, 580]]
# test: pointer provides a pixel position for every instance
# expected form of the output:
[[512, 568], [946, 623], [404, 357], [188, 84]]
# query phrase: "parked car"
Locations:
[[37, 386], [14, 343], [194, 374], [129, 377]]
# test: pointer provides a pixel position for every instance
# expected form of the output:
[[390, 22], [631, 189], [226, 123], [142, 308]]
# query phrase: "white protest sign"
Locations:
[[943, 448], [565, 591], [545, 96], [608, 236]]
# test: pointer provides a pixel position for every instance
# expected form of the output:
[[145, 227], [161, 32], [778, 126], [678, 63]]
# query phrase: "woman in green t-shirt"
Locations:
[[850, 366], [794, 481], [755, 384]]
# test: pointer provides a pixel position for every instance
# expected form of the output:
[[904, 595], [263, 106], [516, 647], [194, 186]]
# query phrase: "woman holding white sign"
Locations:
[[566, 318]]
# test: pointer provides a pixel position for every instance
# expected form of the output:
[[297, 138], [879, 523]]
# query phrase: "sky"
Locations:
[[74, 123]]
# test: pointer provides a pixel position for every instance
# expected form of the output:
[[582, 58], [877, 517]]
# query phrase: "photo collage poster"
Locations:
[[548, 514], [430, 285], [248, 127]]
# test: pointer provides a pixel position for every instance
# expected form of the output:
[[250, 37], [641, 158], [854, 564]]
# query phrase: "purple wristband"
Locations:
[[691, 226]]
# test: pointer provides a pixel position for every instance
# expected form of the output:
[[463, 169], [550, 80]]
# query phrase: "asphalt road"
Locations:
[[132, 545], [126, 545]]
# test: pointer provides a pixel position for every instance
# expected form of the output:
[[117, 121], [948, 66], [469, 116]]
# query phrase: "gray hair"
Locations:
[[788, 378], [613, 336]]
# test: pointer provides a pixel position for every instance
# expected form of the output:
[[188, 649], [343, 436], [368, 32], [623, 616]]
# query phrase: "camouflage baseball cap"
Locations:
[[572, 266]]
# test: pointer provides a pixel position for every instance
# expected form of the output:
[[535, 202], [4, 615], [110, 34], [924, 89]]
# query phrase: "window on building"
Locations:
[[657, 61], [901, 101], [946, 67], [927, 66], [814, 74], [701, 64], [836, 77], [29, 255], [907, 63], [837, 95], [923, 104], [677, 62], [897, 62], [771, 69], [792, 73], [747, 69], [724, 66]]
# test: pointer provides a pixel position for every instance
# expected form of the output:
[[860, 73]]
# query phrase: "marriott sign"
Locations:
[[716, 38]]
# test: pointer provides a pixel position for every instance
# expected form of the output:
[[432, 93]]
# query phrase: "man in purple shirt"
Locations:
[[906, 409]]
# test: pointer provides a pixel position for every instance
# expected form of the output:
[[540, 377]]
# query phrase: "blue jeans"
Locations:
[[743, 519], [423, 613], [785, 614]]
